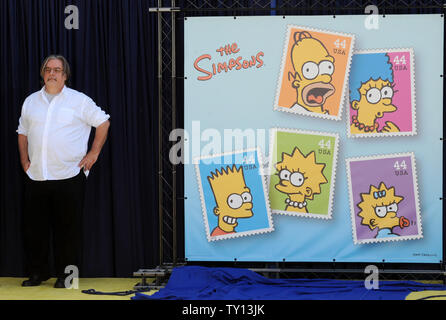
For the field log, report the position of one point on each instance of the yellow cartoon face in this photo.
(375, 100)
(313, 67)
(233, 198)
(300, 176)
(379, 208)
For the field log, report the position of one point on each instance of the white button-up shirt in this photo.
(58, 132)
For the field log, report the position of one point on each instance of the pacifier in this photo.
(404, 222)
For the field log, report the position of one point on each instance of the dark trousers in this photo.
(53, 206)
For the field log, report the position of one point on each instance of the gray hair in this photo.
(65, 65)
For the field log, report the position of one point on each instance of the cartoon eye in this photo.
(373, 95)
(326, 67)
(247, 197)
(386, 92)
(310, 70)
(284, 174)
(235, 201)
(381, 211)
(392, 208)
(297, 179)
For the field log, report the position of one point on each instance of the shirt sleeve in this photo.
(92, 114)
(23, 122)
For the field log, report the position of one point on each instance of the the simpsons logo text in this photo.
(237, 63)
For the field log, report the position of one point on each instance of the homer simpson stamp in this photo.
(314, 71)
(233, 194)
(302, 168)
(382, 93)
(384, 198)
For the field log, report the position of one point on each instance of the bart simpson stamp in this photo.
(314, 72)
(382, 93)
(302, 167)
(233, 195)
(384, 198)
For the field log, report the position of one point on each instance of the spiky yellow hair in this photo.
(307, 165)
(225, 181)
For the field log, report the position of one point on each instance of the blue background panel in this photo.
(244, 100)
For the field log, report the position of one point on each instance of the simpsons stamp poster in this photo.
(314, 72)
(382, 93)
(384, 198)
(302, 172)
(233, 195)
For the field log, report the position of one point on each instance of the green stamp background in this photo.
(286, 142)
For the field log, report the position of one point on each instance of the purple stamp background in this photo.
(374, 171)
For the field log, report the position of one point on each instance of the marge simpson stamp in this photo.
(382, 93)
(233, 195)
(384, 198)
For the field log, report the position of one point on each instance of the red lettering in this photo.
(234, 48)
(228, 49)
(208, 74)
(252, 62)
(221, 50)
(232, 64)
(239, 65)
(259, 60)
(222, 66)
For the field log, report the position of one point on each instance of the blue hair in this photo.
(366, 66)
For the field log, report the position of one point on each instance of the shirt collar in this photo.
(42, 92)
(61, 92)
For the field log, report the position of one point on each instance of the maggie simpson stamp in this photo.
(384, 198)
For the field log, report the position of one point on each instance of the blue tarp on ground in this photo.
(202, 283)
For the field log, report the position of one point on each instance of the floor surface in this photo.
(11, 289)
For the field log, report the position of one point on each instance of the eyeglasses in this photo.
(56, 70)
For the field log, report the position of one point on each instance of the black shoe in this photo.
(60, 283)
(34, 281)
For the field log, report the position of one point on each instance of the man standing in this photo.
(53, 134)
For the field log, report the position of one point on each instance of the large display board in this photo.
(313, 138)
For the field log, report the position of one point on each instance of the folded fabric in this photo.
(202, 283)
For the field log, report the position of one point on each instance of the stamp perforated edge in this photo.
(273, 132)
(415, 186)
(265, 194)
(413, 98)
(346, 76)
